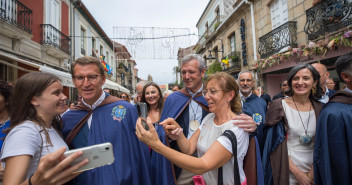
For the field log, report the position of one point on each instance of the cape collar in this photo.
(185, 92)
(342, 97)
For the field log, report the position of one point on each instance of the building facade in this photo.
(34, 36)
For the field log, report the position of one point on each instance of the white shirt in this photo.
(348, 90)
(209, 134)
(95, 104)
(25, 139)
(243, 98)
(194, 110)
(325, 97)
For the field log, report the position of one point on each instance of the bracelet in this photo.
(307, 175)
(29, 180)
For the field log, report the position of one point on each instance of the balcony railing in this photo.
(14, 12)
(215, 24)
(52, 36)
(327, 16)
(279, 38)
(123, 67)
(234, 61)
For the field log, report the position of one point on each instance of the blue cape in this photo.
(255, 107)
(175, 106)
(333, 145)
(114, 123)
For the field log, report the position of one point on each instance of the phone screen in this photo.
(143, 113)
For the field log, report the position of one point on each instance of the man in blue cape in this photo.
(188, 107)
(333, 145)
(101, 118)
(252, 105)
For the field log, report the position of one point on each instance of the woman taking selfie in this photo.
(291, 132)
(214, 150)
(154, 99)
(36, 102)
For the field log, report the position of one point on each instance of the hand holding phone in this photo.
(98, 155)
(143, 113)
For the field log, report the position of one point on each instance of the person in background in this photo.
(290, 131)
(213, 149)
(284, 89)
(330, 84)
(152, 96)
(101, 118)
(125, 96)
(252, 105)
(5, 92)
(262, 94)
(33, 149)
(324, 75)
(167, 93)
(107, 90)
(333, 149)
(139, 90)
(175, 88)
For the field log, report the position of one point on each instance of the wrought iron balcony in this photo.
(279, 38)
(52, 36)
(215, 24)
(327, 16)
(234, 61)
(122, 68)
(14, 12)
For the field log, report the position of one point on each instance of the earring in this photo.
(314, 90)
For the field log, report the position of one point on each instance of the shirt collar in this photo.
(326, 91)
(347, 90)
(243, 97)
(193, 94)
(96, 103)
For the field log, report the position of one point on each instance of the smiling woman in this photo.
(294, 118)
(153, 97)
(34, 129)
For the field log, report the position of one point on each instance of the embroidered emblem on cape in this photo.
(118, 113)
(257, 118)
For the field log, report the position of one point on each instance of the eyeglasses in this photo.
(284, 85)
(211, 92)
(90, 78)
(123, 97)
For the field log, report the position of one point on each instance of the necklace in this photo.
(3, 123)
(304, 139)
(194, 124)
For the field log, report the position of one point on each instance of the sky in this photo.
(148, 13)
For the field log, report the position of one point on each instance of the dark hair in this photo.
(344, 64)
(228, 83)
(282, 83)
(5, 91)
(316, 78)
(161, 99)
(21, 108)
(85, 61)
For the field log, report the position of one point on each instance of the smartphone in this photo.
(143, 113)
(98, 155)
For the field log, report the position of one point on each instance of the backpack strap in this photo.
(232, 137)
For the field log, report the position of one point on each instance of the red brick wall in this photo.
(37, 7)
(64, 18)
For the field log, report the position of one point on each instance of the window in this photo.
(107, 57)
(93, 46)
(233, 42)
(279, 13)
(101, 50)
(52, 13)
(83, 41)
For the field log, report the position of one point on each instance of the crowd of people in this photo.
(214, 130)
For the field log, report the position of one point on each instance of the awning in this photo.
(65, 78)
(113, 85)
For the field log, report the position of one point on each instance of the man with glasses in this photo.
(252, 105)
(139, 90)
(333, 149)
(101, 118)
(188, 107)
(284, 89)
